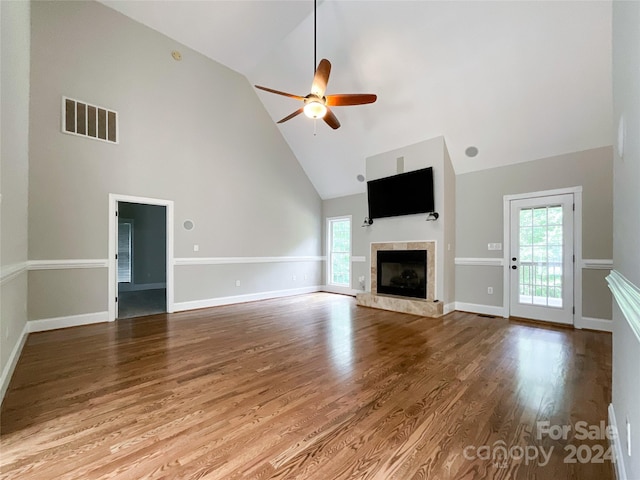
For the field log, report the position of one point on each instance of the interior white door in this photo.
(541, 258)
(117, 234)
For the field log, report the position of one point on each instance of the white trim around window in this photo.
(331, 221)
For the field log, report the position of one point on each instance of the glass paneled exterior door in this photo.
(541, 258)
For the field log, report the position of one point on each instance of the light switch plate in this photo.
(494, 246)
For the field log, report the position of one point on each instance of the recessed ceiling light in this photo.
(360, 178)
(471, 151)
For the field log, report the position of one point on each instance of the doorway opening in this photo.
(142, 250)
(141, 260)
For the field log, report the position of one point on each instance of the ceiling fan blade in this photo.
(321, 78)
(285, 94)
(294, 114)
(331, 120)
(344, 99)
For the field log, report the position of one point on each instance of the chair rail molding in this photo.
(597, 263)
(67, 264)
(487, 261)
(627, 295)
(9, 272)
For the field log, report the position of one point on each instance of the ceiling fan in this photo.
(316, 104)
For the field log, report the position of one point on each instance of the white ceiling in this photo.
(520, 80)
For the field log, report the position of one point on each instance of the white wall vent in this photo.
(86, 120)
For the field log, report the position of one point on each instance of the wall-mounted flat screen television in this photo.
(403, 194)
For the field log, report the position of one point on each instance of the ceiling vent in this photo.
(92, 121)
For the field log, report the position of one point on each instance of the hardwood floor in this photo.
(140, 303)
(309, 387)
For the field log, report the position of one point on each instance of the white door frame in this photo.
(114, 198)
(577, 246)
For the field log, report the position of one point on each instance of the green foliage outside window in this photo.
(340, 255)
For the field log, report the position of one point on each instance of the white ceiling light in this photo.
(315, 109)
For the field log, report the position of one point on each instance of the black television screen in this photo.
(402, 194)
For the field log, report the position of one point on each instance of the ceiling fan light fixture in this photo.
(316, 104)
(315, 109)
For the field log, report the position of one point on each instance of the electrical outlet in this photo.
(490, 290)
(237, 283)
(494, 246)
(293, 277)
(305, 276)
(196, 248)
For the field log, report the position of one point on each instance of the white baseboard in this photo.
(249, 297)
(64, 322)
(448, 308)
(482, 309)
(136, 287)
(7, 372)
(341, 290)
(600, 324)
(621, 474)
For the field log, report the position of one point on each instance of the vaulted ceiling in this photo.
(519, 80)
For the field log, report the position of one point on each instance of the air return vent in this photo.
(86, 120)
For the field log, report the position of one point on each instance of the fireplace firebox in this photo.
(402, 272)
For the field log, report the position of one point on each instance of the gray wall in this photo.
(626, 223)
(14, 167)
(479, 220)
(448, 212)
(193, 132)
(251, 277)
(149, 241)
(429, 153)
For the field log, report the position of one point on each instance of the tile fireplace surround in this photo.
(416, 306)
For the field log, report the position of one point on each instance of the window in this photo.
(541, 256)
(125, 244)
(339, 251)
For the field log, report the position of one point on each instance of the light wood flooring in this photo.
(310, 387)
